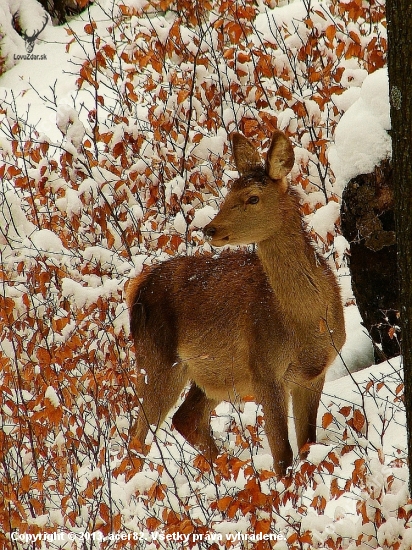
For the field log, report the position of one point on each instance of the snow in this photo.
(360, 141)
(83, 296)
(175, 187)
(208, 146)
(45, 240)
(52, 396)
(353, 76)
(70, 203)
(68, 123)
(203, 216)
(325, 218)
(347, 98)
(13, 217)
(268, 22)
(180, 223)
(357, 352)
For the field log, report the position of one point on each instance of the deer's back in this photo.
(199, 295)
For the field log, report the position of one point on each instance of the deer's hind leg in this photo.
(192, 421)
(158, 390)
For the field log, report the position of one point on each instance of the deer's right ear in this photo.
(245, 154)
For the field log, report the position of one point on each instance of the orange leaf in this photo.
(335, 490)
(104, 512)
(250, 126)
(330, 32)
(339, 51)
(13, 171)
(242, 57)
(359, 470)
(332, 456)
(345, 411)
(118, 149)
(6, 306)
(307, 536)
(237, 465)
(157, 491)
(355, 37)
(361, 509)
(229, 53)
(234, 31)
(320, 14)
(186, 527)
(182, 95)
(43, 355)
(266, 474)
(358, 420)
(55, 415)
(223, 503)
(201, 463)
(90, 27)
(293, 538)
(233, 508)
(162, 241)
(25, 483)
(315, 76)
(399, 388)
(284, 92)
(329, 467)
(110, 240)
(152, 523)
(59, 324)
(109, 51)
(262, 526)
(327, 420)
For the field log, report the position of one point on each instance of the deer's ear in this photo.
(280, 156)
(245, 154)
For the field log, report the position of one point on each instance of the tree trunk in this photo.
(368, 224)
(399, 15)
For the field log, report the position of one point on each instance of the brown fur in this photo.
(245, 323)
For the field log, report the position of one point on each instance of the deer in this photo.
(266, 321)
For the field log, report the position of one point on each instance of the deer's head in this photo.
(250, 212)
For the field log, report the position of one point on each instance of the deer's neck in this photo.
(297, 275)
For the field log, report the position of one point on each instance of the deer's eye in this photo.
(253, 199)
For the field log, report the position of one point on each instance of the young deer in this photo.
(265, 323)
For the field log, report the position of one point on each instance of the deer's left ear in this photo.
(280, 156)
(246, 156)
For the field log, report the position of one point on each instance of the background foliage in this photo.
(141, 165)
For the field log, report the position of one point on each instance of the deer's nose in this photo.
(209, 231)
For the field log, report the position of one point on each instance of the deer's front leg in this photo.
(273, 395)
